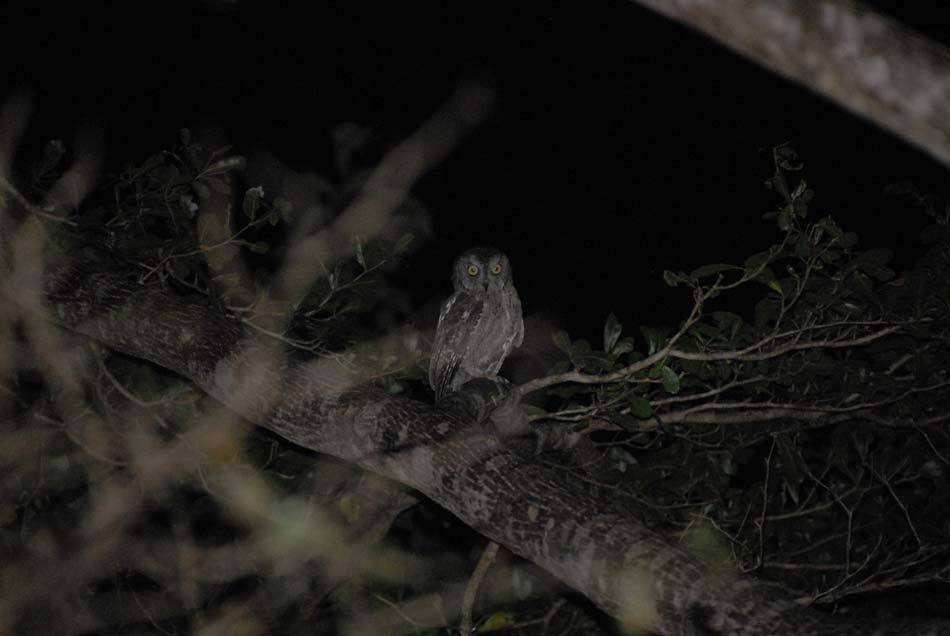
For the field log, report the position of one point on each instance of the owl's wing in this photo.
(519, 321)
(453, 337)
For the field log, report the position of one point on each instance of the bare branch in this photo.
(865, 62)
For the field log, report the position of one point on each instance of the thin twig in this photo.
(35, 209)
(624, 373)
(468, 600)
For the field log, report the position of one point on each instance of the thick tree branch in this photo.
(630, 571)
(869, 64)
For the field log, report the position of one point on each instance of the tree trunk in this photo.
(869, 64)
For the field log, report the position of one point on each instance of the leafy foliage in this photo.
(806, 429)
(149, 215)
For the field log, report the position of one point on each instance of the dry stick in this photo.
(758, 411)
(626, 372)
(883, 586)
(668, 350)
(890, 489)
(38, 211)
(765, 502)
(394, 607)
(468, 601)
(707, 394)
(745, 354)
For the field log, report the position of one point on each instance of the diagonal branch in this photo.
(865, 62)
(627, 569)
(630, 571)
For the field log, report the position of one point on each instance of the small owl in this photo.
(479, 324)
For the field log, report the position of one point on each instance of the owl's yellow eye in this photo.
(496, 268)
(472, 270)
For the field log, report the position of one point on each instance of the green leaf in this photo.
(597, 362)
(612, 331)
(803, 246)
(260, 247)
(626, 345)
(351, 507)
(579, 349)
(765, 275)
(787, 158)
(849, 239)
(774, 284)
(725, 319)
(754, 262)
(704, 541)
(800, 189)
(496, 622)
(562, 341)
(777, 183)
(714, 268)
(640, 407)
(236, 162)
(654, 337)
(673, 279)
(728, 323)
(559, 367)
(728, 464)
(671, 381)
(830, 256)
(252, 202)
(873, 263)
(626, 422)
(785, 218)
(802, 200)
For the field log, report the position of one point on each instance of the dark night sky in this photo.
(622, 144)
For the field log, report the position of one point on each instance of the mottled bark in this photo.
(869, 64)
(628, 570)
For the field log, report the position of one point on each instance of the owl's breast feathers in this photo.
(476, 332)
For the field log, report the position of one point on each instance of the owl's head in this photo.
(481, 269)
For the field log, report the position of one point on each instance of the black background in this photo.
(621, 144)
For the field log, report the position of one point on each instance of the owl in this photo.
(479, 324)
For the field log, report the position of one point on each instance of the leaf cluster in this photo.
(799, 413)
(154, 214)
